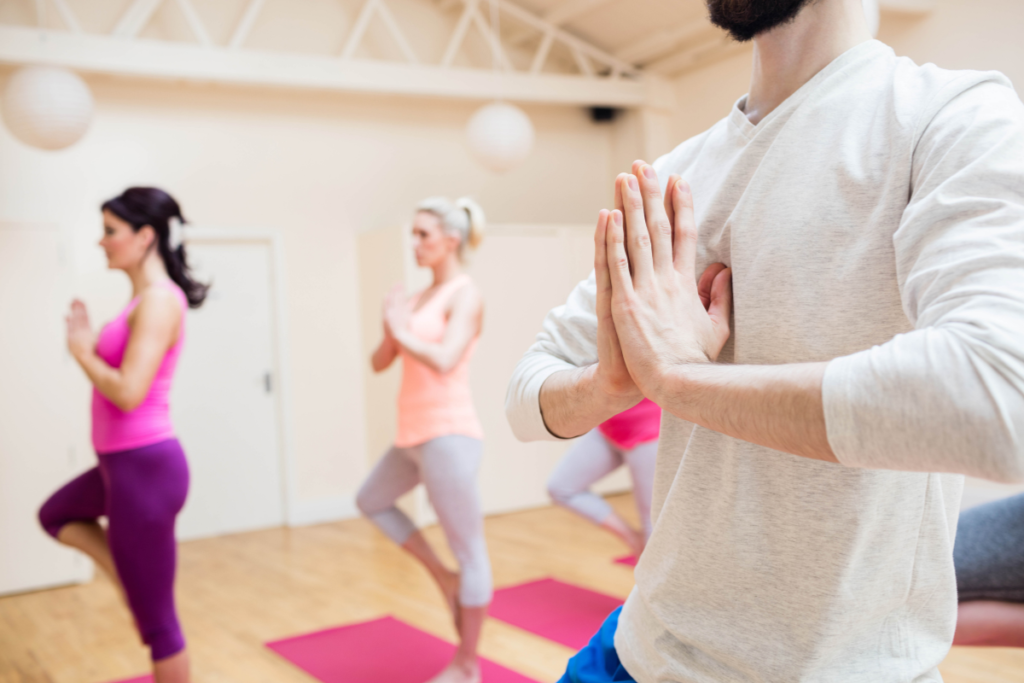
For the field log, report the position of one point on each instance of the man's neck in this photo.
(790, 55)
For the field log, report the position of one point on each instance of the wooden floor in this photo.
(238, 592)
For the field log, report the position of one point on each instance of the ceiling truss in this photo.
(600, 78)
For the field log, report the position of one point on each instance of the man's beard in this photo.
(744, 19)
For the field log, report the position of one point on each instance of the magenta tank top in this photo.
(113, 429)
(635, 426)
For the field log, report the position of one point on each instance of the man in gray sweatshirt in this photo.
(871, 215)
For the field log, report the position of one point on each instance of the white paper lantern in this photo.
(500, 136)
(47, 107)
(872, 14)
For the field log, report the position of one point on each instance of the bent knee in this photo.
(367, 504)
(560, 493)
(51, 520)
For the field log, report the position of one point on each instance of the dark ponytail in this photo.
(142, 206)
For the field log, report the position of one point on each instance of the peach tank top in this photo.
(430, 404)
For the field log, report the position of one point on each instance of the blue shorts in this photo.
(598, 662)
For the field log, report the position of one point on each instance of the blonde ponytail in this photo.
(464, 217)
(477, 221)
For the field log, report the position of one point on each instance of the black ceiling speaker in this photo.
(603, 114)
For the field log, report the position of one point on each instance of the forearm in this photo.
(779, 407)
(108, 381)
(434, 356)
(572, 402)
(384, 356)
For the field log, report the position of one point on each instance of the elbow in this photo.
(442, 364)
(443, 368)
(510, 412)
(521, 437)
(129, 395)
(513, 414)
(1002, 450)
(128, 401)
(1011, 473)
(1009, 467)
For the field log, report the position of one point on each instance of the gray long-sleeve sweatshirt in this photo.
(874, 220)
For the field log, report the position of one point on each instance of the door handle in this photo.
(268, 382)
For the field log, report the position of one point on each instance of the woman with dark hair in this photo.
(141, 480)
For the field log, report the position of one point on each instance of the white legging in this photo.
(447, 466)
(592, 457)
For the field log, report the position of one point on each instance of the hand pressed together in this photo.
(653, 314)
(396, 312)
(81, 340)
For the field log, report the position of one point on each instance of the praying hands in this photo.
(653, 314)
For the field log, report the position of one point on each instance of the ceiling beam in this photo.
(541, 55)
(396, 32)
(358, 29)
(601, 57)
(493, 40)
(557, 16)
(245, 24)
(190, 62)
(195, 24)
(657, 44)
(698, 56)
(67, 16)
(567, 10)
(135, 17)
(459, 34)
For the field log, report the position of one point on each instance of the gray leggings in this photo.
(989, 552)
(592, 457)
(447, 466)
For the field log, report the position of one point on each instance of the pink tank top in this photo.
(431, 404)
(635, 426)
(113, 429)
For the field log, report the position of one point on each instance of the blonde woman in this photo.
(439, 436)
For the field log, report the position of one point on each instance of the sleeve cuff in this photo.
(840, 421)
(522, 403)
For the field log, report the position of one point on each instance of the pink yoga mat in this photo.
(629, 560)
(380, 651)
(558, 611)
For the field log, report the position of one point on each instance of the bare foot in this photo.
(633, 539)
(458, 673)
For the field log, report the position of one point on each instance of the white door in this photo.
(37, 428)
(224, 402)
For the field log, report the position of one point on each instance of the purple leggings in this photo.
(140, 492)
